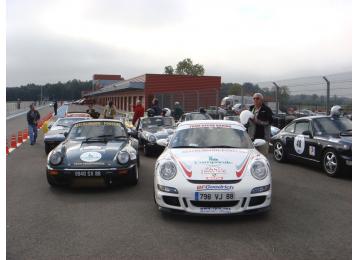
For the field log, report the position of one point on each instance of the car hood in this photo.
(80, 154)
(213, 163)
(56, 134)
(339, 139)
(160, 132)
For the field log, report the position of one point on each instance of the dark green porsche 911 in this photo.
(98, 148)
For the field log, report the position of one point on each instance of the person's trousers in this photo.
(32, 133)
(55, 111)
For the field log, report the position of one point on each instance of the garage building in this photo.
(191, 91)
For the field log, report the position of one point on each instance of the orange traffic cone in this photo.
(25, 134)
(13, 142)
(20, 137)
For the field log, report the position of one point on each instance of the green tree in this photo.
(235, 89)
(186, 67)
(169, 70)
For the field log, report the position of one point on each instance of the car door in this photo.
(288, 136)
(303, 144)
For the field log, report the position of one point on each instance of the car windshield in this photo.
(198, 116)
(208, 137)
(67, 122)
(332, 125)
(152, 122)
(97, 129)
(233, 118)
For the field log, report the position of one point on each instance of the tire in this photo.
(47, 148)
(52, 182)
(147, 150)
(133, 178)
(279, 152)
(138, 160)
(331, 163)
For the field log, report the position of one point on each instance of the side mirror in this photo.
(66, 134)
(259, 142)
(308, 133)
(162, 142)
(49, 126)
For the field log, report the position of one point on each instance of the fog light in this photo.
(167, 189)
(260, 189)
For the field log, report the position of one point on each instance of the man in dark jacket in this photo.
(33, 116)
(178, 112)
(55, 107)
(260, 125)
(155, 106)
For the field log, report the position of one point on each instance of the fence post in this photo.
(327, 95)
(276, 97)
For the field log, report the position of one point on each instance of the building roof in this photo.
(107, 77)
(133, 83)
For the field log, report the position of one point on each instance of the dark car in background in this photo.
(323, 139)
(150, 129)
(95, 149)
(55, 135)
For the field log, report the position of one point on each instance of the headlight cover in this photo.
(259, 170)
(55, 158)
(167, 170)
(123, 157)
(152, 138)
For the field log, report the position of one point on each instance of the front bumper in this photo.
(185, 200)
(109, 175)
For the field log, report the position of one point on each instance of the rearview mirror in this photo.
(66, 134)
(261, 146)
(162, 142)
(49, 126)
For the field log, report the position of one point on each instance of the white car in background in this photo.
(212, 167)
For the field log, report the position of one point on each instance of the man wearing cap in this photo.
(260, 125)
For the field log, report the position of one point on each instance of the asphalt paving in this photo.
(310, 218)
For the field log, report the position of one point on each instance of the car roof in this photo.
(310, 117)
(211, 122)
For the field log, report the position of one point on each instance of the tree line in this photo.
(70, 90)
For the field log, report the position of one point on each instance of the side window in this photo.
(290, 128)
(301, 127)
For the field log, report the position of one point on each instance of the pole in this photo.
(327, 95)
(41, 94)
(242, 96)
(276, 97)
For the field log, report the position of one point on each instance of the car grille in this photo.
(254, 201)
(170, 200)
(214, 204)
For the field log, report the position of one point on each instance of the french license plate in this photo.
(87, 173)
(214, 196)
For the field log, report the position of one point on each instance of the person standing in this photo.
(155, 106)
(178, 112)
(110, 111)
(138, 111)
(55, 107)
(33, 116)
(260, 125)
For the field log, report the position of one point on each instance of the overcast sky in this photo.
(60, 40)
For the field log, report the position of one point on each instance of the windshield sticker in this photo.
(97, 123)
(92, 147)
(206, 150)
(299, 144)
(210, 126)
(90, 156)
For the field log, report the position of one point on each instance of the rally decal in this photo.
(242, 168)
(299, 144)
(187, 172)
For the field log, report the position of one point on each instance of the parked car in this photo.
(150, 129)
(98, 148)
(212, 167)
(55, 135)
(194, 116)
(323, 139)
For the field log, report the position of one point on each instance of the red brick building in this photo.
(191, 91)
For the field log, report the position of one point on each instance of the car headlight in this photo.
(152, 138)
(123, 157)
(55, 158)
(259, 170)
(167, 170)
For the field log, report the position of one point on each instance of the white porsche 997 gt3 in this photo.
(212, 167)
